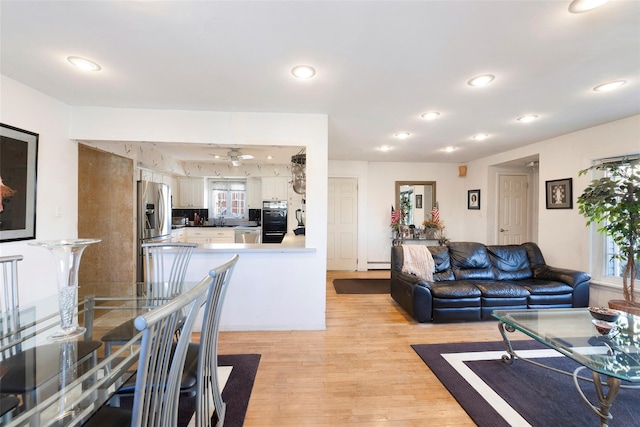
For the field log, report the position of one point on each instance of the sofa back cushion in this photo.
(442, 263)
(535, 255)
(470, 260)
(510, 262)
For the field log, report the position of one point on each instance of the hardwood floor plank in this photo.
(361, 371)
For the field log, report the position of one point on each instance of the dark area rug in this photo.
(236, 392)
(540, 396)
(362, 286)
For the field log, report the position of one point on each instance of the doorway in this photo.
(513, 209)
(342, 224)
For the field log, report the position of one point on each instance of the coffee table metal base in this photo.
(605, 399)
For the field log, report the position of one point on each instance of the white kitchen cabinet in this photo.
(275, 188)
(191, 193)
(254, 193)
(178, 235)
(146, 175)
(202, 235)
(151, 176)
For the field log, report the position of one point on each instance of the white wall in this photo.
(563, 235)
(273, 290)
(554, 230)
(376, 195)
(57, 182)
(561, 157)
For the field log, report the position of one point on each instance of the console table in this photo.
(397, 241)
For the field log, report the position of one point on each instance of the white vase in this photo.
(67, 254)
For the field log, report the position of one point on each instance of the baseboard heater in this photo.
(379, 265)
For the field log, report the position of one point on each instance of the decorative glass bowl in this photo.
(603, 313)
(603, 327)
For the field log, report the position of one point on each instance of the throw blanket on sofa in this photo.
(418, 260)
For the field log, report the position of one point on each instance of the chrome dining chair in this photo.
(9, 267)
(160, 363)
(9, 297)
(165, 266)
(19, 375)
(206, 373)
(10, 302)
(200, 376)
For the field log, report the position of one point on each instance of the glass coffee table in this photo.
(571, 332)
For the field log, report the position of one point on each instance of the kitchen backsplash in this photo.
(189, 213)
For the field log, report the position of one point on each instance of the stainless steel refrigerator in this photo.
(154, 217)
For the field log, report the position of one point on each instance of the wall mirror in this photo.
(418, 197)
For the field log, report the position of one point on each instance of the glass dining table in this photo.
(63, 383)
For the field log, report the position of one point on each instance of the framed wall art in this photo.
(559, 194)
(18, 166)
(473, 199)
(418, 201)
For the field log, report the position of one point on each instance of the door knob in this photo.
(502, 230)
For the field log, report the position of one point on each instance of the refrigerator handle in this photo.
(161, 212)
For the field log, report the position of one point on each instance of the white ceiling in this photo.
(379, 65)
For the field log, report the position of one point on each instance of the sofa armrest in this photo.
(572, 278)
(413, 294)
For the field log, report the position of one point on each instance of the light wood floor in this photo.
(360, 371)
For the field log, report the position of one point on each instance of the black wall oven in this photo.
(274, 221)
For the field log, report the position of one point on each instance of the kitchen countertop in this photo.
(291, 243)
(175, 227)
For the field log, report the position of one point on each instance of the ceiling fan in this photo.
(236, 156)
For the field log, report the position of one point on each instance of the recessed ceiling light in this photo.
(527, 118)
(84, 64)
(216, 156)
(579, 6)
(449, 149)
(402, 135)
(480, 136)
(385, 148)
(605, 87)
(430, 115)
(269, 157)
(482, 80)
(303, 71)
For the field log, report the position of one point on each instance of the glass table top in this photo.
(571, 332)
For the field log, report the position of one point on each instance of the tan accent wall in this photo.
(106, 210)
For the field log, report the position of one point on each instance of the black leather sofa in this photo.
(471, 280)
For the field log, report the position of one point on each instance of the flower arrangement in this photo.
(438, 225)
(396, 218)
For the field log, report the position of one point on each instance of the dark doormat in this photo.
(361, 286)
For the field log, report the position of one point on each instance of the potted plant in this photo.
(613, 202)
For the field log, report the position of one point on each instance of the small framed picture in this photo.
(473, 199)
(559, 194)
(418, 201)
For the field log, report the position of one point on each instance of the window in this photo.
(228, 199)
(612, 267)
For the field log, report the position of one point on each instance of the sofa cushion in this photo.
(442, 263)
(455, 290)
(546, 287)
(501, 290)
(470, 260)
(510, 262)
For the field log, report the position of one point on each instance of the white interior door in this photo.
(513, 210)
(342, 227)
